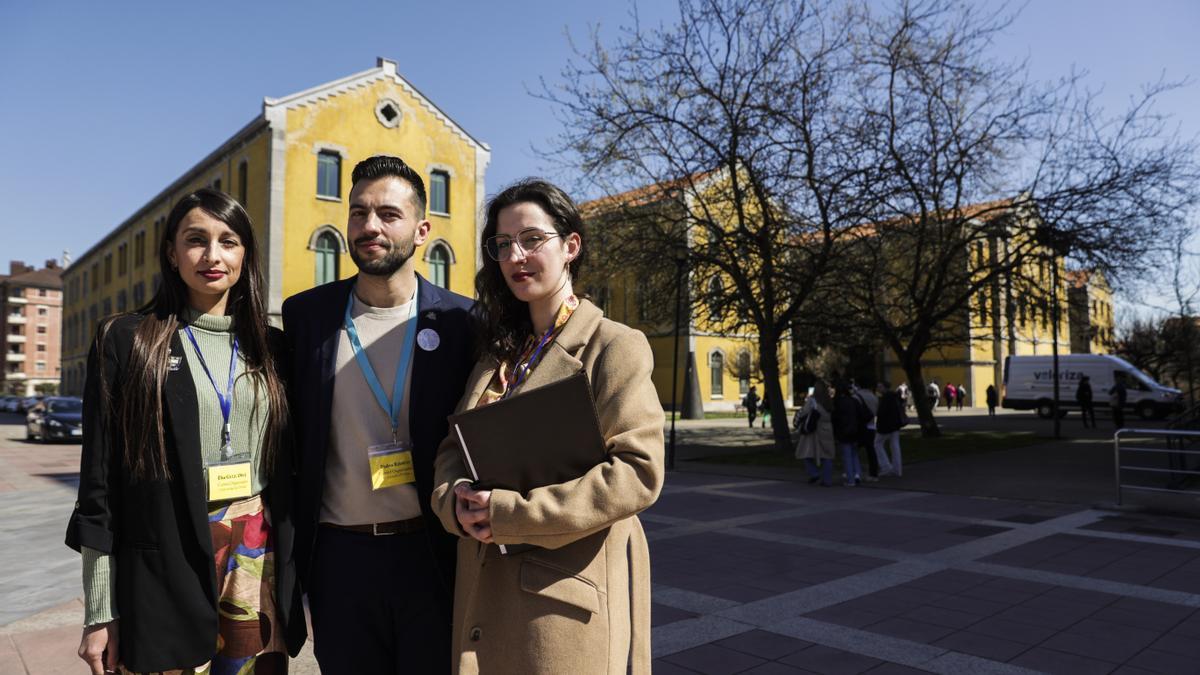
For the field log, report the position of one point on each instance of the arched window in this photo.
(440, 258)
(716, 364)
(743, 371)
(327, 250)
(439, 266)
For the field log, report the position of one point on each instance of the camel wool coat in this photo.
(580, 603)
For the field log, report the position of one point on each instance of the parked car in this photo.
(55, 418)
(1029, 385)
(28, 402)
(5, 402)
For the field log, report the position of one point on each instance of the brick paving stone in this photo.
(1111, 648)
(986, 646)
(909, 629)
(894, 669)
(688, 504)
(1051, 661)
(764, 644)
(664, 667)
(1013, 631)
(662, 614)
(940, 616)
(970, 605)
(830, 661)
(1162, 662)
(713, 660)
(844, 615)
(950, 581)
(1178, 644)
(1044, 617)
(775, 668)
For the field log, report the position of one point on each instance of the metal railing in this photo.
(1178, 469)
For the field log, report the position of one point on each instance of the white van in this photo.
(1029, 384)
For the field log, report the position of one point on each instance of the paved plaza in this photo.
(758, 575)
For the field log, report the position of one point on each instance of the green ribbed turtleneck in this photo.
(214, 335)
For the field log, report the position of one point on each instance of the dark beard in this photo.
(396, 256)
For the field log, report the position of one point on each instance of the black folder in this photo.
(539, 437)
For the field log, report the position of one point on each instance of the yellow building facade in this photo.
(1014, 316)
(724, 360)
(290, 167)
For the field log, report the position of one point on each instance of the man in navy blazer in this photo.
(378, 362)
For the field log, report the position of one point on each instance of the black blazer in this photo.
(311, 323)
(158, 529)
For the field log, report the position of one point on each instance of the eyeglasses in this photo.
(500, 247)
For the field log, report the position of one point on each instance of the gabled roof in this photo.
(384, 69)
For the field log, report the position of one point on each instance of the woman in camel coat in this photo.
(580, 602)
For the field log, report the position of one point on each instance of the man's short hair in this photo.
(384, 166)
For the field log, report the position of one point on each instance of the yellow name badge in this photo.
(391, 465)
(229, 481)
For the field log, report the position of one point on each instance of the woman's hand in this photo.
(472, 507)
(99, 647)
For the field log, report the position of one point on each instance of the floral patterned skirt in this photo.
(249, 637)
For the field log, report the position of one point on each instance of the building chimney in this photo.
(16, 267)
(51, 264)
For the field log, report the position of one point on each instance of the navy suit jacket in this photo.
(311, 322)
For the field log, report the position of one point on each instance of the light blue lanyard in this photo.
(390, 407)
(226, 399)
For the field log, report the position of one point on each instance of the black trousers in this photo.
(378, 605)
(1088, 412)
(867, 443)
(1118, 414)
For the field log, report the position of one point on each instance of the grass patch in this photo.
(914, 448)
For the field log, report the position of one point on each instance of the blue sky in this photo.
(104, 104)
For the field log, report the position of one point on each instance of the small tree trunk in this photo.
(916, 387)
(772, 392)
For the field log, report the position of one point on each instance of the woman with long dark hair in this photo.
(580, 601)
(182, 518)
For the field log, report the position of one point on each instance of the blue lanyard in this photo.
(392, 406)
(226, 399)
(522, 373)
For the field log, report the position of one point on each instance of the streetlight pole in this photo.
(680, 261)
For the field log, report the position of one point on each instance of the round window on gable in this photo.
(388, 113)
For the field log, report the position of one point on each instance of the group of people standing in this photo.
(846, 419)
(228, 467)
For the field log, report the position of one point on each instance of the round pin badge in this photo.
(429, 339)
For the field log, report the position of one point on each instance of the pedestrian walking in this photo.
(1083, 396)
(992, 397)
(848, 422)
(960, 396)
(750, 401)
(1117, 396)
(934, 393)
(765, 409)
(888, 422)
(814, 425)
(905, 395)
(951, 394)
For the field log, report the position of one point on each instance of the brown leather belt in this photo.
(382, 529)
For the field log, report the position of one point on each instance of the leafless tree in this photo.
(988, 182)
(732, 119)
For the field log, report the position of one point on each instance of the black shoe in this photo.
(813, 479)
